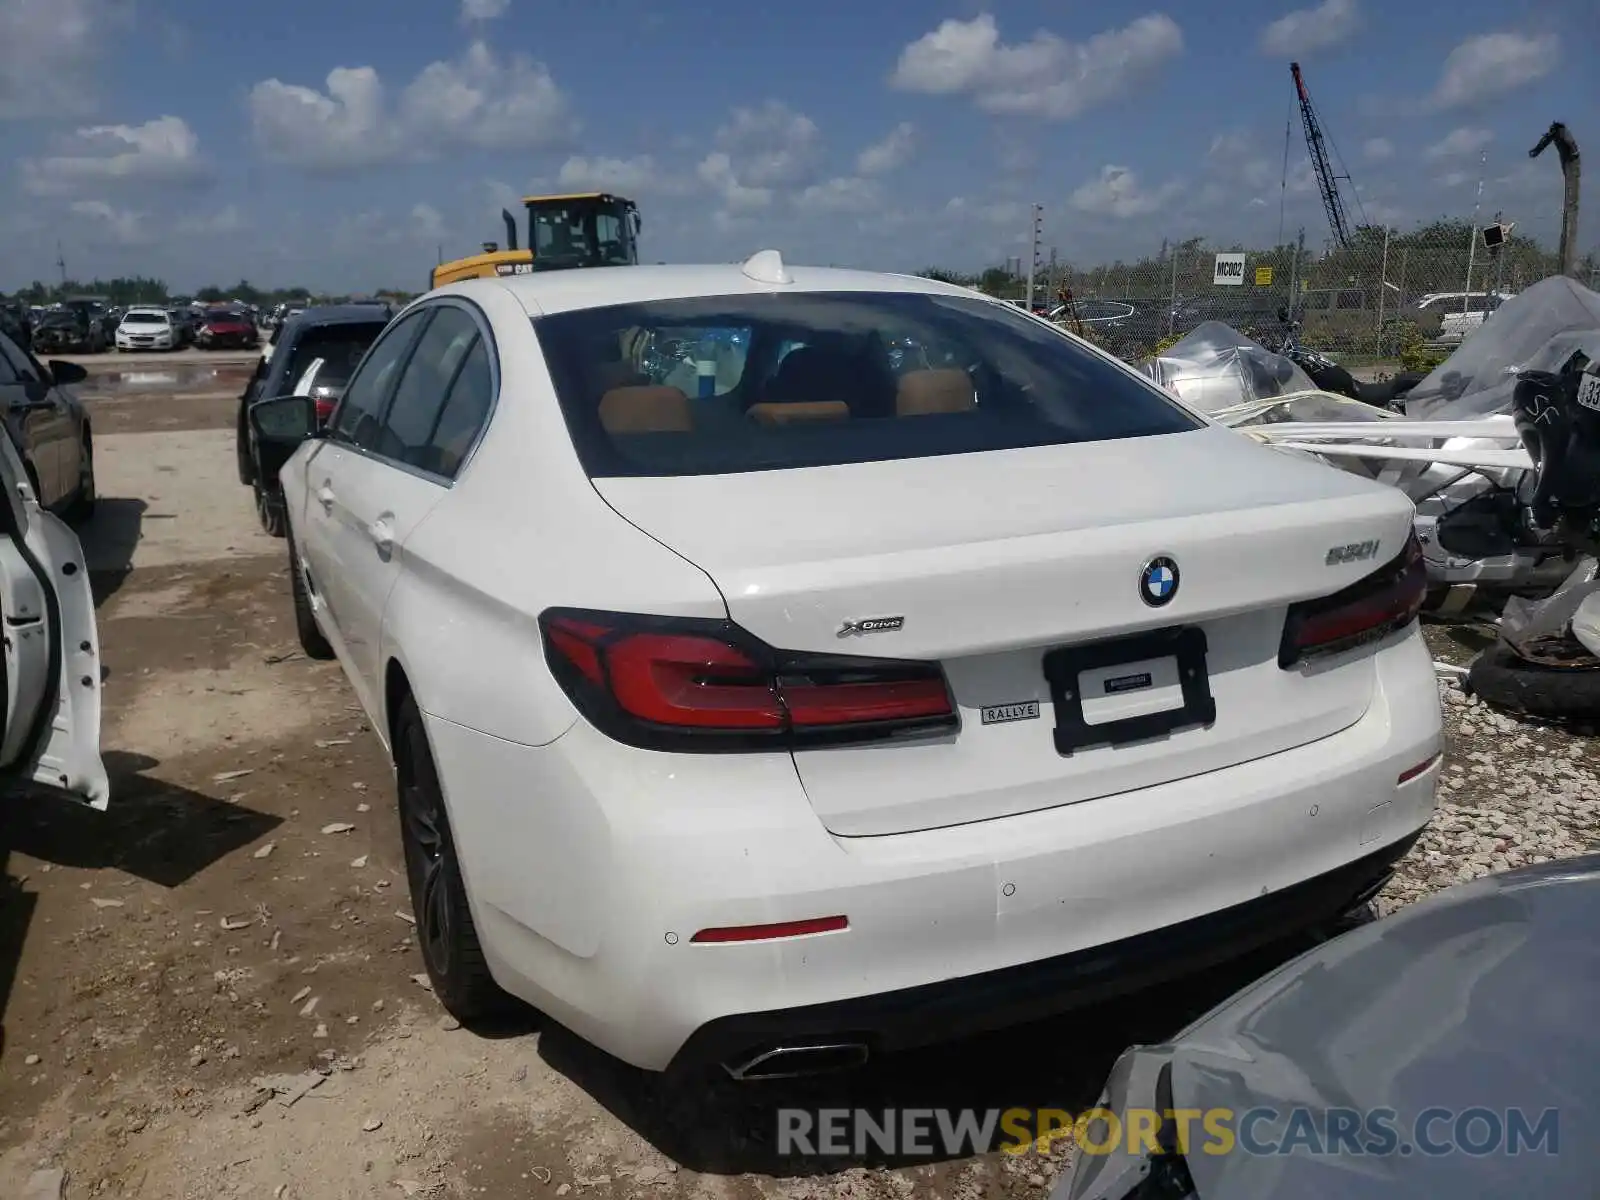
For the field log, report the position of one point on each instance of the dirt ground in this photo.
(175, 972)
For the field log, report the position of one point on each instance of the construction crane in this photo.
(1327, 181)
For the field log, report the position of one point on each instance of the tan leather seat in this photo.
(649, 409)
(936, 390)
(614, 375)
(791, 412)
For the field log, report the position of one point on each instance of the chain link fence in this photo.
(1389, 297)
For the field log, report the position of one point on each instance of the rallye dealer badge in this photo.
(998, 714)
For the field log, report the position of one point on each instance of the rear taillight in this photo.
(325, 406)
(699, 684)
(1366, 611)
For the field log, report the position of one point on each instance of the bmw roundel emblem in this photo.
(1158, 582)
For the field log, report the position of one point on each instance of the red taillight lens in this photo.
(708, 685)
(1387, 600)
(325, 407)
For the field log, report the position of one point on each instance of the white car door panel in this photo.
(330, 527)
(380, 499)
(51, 661)
(374, 505)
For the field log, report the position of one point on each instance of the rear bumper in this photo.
(936, 1012)
(592, 865)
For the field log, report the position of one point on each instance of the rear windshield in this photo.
(339, 346)
(727, 384)
(146, 319)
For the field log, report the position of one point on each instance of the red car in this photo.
(221, 329)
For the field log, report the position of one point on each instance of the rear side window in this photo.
(356, 420)
(463, 416)
(414, 412)
(726, 384)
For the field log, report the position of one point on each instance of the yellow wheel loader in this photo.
(584, 229)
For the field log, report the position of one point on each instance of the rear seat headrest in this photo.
(936, 390)
(789, 412)
(646, 409)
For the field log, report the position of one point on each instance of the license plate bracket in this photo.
(1063, 668)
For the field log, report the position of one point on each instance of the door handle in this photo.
(382, 534)
(325, 498)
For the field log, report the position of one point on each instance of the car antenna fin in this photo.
(766, 266)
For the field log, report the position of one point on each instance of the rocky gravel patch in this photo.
(1514, 791)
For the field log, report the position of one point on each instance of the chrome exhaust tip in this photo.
(794, 1062)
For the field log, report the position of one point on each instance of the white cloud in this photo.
(1459, 142)
(476, 100)
(771, 145)
(1310, 29)
(1492, 64)
(124, 227)
(225, 221)
(483, 10)
(1118, 193)
(48, 50)
(162, 151)
(625, 175)
(1045, 76)
(1237, 158)
(846, 193)
(761, 151)
(1377, 149)
(716, 172)
(890, 154)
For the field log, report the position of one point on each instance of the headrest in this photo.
(792, 411)
(938, 390)
(648, 409)
(813, 371)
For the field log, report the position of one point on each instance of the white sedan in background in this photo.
(146, 329)
(821, 707)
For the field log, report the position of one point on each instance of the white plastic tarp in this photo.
(1536, 330)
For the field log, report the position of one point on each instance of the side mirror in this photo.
(285, 420)
(65, 373)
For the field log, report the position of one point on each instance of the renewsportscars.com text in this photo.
(944, 1132)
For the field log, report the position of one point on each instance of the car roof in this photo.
(597, 287)
(339, 314)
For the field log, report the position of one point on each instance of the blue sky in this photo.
(339, 143)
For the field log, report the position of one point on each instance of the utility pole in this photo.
(1035, 232)
(61, 263)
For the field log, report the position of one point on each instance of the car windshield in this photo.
(728, 384)
(61, 318)
(145, 318)
(222, 314)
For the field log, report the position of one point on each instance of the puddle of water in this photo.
(199, 377)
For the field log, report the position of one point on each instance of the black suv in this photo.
(313, 354)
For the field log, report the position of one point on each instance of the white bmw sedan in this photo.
(782, 666)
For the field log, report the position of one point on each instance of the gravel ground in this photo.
(1514, 791)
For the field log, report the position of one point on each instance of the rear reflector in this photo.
(1422, 768)
(766, 933)
(1367, 611)
(698, 684)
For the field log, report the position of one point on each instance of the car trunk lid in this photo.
(1005, 566)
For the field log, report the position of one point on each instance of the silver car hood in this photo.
(1485, 995)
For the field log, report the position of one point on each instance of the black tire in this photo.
(305, 622)
(247, 469)
(1503, 679)
(445, 932)
(83, 502)
(269, 513)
